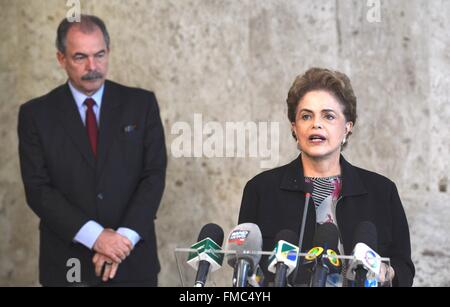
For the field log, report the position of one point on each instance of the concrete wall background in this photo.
(235, 61)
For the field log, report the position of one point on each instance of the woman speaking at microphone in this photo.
(322, 111)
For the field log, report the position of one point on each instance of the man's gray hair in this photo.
(87, 24)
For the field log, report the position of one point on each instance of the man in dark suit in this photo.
(93, 163)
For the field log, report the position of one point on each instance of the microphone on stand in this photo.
(206, 259)
(246, 240)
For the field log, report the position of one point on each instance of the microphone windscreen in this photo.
(288, 236)
(308, 187)
(366, 233)
(212, 231)
(327, 236)
(244, 237)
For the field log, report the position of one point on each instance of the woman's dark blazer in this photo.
(275, 199)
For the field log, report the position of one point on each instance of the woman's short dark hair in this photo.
(87, 24)
(333, 82)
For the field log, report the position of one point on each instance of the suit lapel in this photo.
(109, 124)
(72, 123)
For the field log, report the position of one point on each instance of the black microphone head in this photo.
(212, 231)
(327, 236)
(366, 233)
(308, 187)
(288, 236)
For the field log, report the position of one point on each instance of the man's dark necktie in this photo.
(91, 124)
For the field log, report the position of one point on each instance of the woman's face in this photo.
(320, 125)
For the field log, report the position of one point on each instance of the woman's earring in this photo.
(343, 141)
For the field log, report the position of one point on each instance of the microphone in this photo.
(308, 193)
(284, 257)
(242, 239)
(323, 254)
(366, 264)
(206, 259)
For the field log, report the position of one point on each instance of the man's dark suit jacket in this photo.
(66, 186)
(275, 200)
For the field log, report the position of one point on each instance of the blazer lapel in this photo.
(293, 178)
(352, 185)
(109, 124)
(72, 123)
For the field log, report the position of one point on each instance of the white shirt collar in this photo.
(80, 97)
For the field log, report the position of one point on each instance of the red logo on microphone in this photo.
(238, 236)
